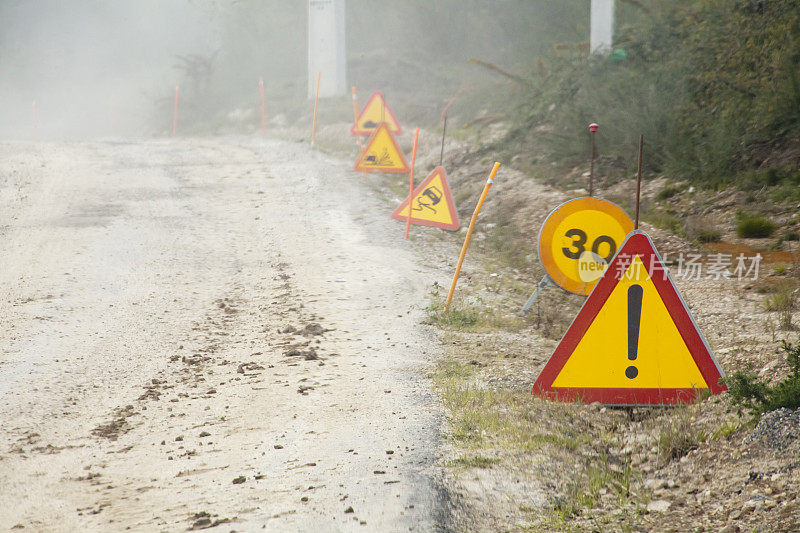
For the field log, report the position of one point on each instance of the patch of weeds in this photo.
(792, 236)
(553, 312)
(666, 221)
(469, 316)
(754, 227)
(458, 319)
(783, 301)
(475, 461)
(678, 437)
(584, 491)
(535, 441)
(709, 235)
(780, 269)
(481, 416)
(700, 230)
(750, 392)
(725, 430)
(464, 194)
(668, 192)
(452, 318)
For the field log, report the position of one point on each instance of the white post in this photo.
(326, 48)
(601, 34)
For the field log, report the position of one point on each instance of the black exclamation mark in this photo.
(634, 318)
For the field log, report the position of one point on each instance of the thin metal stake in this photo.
(444, 131)
(638, 182)
(546, 282)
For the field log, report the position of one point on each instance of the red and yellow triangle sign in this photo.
(382, 153)
(633, 341)
(431, 204)
(375, 112)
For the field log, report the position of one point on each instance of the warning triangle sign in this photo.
(375, 112)
(382, 153)
(432, 203)
(633, 341)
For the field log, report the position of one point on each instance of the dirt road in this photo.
(204, 333)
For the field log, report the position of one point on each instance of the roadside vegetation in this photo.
(714, 86)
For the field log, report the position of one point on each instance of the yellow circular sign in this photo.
(578, 240)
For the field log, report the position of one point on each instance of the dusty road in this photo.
(203, 333)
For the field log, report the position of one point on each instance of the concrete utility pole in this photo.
(601, 34)
(326, 48)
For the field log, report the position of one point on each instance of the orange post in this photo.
(175, 113)
(411, 180)
(469, 234)
(263, 106)
(355, 118)
(316, 100)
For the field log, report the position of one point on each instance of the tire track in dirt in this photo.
(220, 362)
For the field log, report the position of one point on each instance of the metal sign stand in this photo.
(546, 282)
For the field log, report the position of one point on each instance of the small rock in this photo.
(239, 480)
(349, 510)
(205, 434)
(658, 506)
(654, 484)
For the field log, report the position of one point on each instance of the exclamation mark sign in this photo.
(635, 293)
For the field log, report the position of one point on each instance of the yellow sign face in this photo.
(382, 153)
(603, 359)
(375, 112)
(432, 204)
(578, 240)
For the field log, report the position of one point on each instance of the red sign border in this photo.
(386, 111)
(636, 243)
(446, 192)
(383, 126)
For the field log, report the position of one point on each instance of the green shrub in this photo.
(792, 236)
(749, 391)
(667, 192)
(755, 227)
(678, 437)
(709, 235)
(707, 110)
(700, 230)
(783, 301)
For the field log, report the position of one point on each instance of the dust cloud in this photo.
(91, 68)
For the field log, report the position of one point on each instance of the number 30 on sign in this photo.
(578, 240)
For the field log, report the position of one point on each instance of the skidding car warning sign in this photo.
(432, 203)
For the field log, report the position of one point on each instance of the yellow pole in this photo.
(316, 99)
(469, 234)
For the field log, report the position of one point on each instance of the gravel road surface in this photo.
(209, 333)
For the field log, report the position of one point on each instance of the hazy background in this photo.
(93, 67)
(103, 68)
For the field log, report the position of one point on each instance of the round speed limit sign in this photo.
(578, 240)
